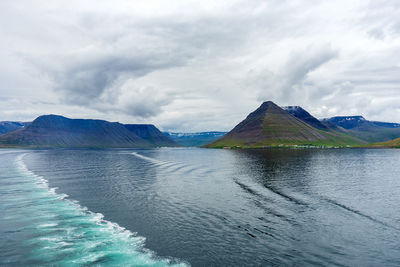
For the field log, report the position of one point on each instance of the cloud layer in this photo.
(198, 65)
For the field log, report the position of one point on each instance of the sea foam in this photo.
(67, 233)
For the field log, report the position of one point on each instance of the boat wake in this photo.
(64, 232)
(173, 167)
(359, 213)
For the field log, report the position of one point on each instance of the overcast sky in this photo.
(198, 65)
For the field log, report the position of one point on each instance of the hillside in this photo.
(195, 139)
(306, 117)
(58, 131)
(395, 143)
(10, 126)
(151, 134)
(271, 125)
(369, 131)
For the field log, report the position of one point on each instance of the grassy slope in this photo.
(395, 143)
(333, 140)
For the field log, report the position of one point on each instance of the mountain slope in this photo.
(195, 139)
(271, 125)
(58, 131)
(306, 117)
(395, 143)
(151, 134)
(10, 126)
(369, 131)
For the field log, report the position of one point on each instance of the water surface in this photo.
(201, 206)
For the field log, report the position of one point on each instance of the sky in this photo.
(198, 65)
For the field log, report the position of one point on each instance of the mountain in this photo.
(10, 126)
(59, 131)
(195, 139)
(347, 122)
(306, 117)
(151, 134)
(369, 131)
(271, 125)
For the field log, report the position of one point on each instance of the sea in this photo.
(200, 207)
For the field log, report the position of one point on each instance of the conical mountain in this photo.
(270, 125)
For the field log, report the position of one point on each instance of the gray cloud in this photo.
(85, 83)
(93, 76)
(289, 82)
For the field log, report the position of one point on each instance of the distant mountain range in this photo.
(369, 131)
(356, 126)
(268, 126)
(59, 131)
(195, 139)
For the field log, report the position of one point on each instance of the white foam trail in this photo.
(45, 225)
(149, 159)
(160, 163)
(173, 166)
(98, 218)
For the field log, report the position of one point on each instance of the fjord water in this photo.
(202, 207)
(41, 227)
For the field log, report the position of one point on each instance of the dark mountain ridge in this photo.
(59, 131)
(303, 115)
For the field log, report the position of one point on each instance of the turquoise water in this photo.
(40, 226)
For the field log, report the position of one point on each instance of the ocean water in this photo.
(200, 207)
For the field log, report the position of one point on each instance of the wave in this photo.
(158, 162)
(309, 203)
(359, 213)
(174, 167)
(68, 233)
